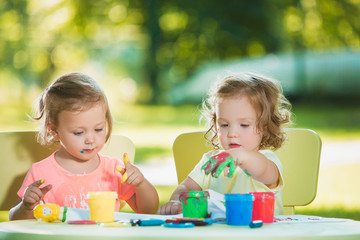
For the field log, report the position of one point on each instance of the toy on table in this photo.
(179, 225)
(256, 224)
(195, 221)
(50, 212)
(217, 163)
(119, 168)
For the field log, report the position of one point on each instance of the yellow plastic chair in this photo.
(300, 157)
(20, 149)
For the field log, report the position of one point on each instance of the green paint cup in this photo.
(195, 204)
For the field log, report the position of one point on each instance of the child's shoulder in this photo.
(45, 161)
(267, 151)
(269, 154)
(44, 164)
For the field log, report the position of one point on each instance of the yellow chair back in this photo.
(20, 149)
(300, 157)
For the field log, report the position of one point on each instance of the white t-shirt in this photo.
(240, 182)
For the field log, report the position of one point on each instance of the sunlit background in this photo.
(155, 60)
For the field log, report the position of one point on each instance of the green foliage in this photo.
(156, 43)
(160, 115)
(145, 153)
(336, 211)
(332, 120)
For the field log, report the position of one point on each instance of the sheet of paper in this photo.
(128, 216)
(216, 206)
(305, 219)
(83, 214)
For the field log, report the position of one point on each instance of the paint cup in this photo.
(102, 206)
(263, 206)
(238, 208)
(194, 203)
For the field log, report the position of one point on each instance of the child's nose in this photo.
(90, 139)
(233, 132)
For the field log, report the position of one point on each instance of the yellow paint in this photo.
(124, 177)
(126, 158)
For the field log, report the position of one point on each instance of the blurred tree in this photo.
(159, 43)
(194, 32)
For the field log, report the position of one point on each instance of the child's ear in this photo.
(53, 131)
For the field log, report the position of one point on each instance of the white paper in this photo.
(84, 214)
(216, 206)
(305, 219)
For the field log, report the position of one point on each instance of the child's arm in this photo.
(145, 199)
(256, 165)
(174, 206)
(253, 163)
(32, 197)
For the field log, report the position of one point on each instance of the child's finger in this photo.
(120, 169)
(123, 172)
(124, 177)
(37, 183)
(46, 189)
(134, 176)
(126, 158)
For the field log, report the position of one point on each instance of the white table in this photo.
(32, 229)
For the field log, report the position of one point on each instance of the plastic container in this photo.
(238, 208)
(195, 204)
(102, 206)
(263, 207)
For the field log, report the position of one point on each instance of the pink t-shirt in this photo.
(69, 189)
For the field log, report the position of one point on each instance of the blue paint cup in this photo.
(238, 208)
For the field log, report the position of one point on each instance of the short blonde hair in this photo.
(69, 92)
(265, 95)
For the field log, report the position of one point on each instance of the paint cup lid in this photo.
(239, 197)
(102, 195)
(196, 194)
(263, 195)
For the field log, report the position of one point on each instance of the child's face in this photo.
(236, 124)
(82, 134)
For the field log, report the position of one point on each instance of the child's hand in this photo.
(217, 163)
(170, 208)
(34, 194)
(131, 175)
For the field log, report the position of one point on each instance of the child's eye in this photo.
(77, 133)
(99, 129)
(244, 125)
(224, 125)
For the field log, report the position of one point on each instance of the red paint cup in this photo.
(263, 206)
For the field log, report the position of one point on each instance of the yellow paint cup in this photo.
(102, 206)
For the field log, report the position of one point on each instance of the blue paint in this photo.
(238, 208)
(82, 151)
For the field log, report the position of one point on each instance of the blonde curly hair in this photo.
(265, 95)
(69, 92)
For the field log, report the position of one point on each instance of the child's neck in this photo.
(75, 165)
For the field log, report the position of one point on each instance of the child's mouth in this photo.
(88, 150)
(234, 145)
